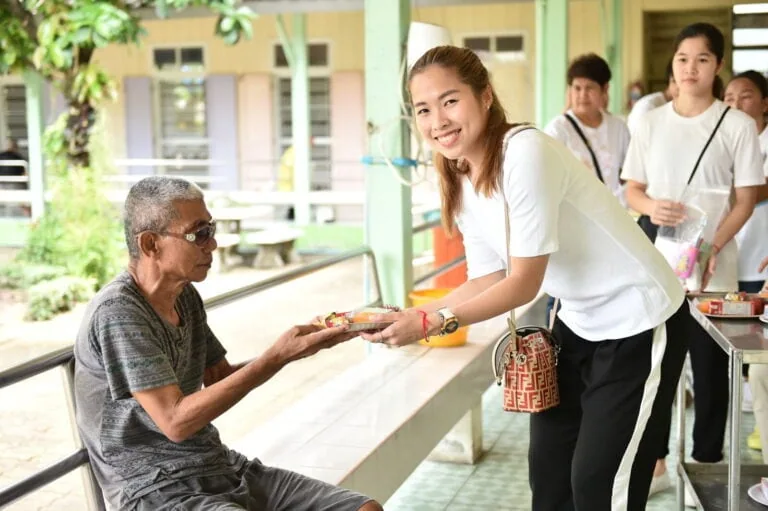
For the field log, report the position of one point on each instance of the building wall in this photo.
(251, 62)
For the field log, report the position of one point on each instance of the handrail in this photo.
(426, 225)
(235, 294)
(43, 477)
(440, 270)
(35, 366)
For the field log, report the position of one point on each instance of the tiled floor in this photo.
(500, 480)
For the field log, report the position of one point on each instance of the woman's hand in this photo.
(668, 213)
(408, 327)
(709, 270)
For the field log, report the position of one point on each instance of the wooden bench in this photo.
(371, 426)
(274, 246)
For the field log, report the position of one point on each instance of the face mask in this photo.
(634, 95)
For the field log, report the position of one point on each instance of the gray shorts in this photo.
(255, 487)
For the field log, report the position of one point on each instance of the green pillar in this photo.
(35, 128)
(295, 48)
(613, 53)
(551, 58)
(388, 224)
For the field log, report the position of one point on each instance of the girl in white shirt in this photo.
(748, 92)
(607, 137)
(661, 158)
(621, 303)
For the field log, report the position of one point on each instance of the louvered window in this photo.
(13, 115)
(320, 126)
(750, 38)
(180, 104)
(183, 128)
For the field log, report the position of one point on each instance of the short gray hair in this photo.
(150, 206)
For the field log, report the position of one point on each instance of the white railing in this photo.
(12, 197)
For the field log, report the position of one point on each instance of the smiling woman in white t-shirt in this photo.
(621, 303)
(662, 155)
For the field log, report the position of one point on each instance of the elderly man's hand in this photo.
(303, 341)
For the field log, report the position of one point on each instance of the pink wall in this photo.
(258, 162)
(348, 137)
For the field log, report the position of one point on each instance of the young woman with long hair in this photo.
(623, 309)
(662, 155)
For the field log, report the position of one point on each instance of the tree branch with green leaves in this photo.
(58, 39)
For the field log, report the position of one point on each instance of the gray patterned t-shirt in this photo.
(124, 346)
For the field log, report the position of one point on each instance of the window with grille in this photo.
(504, 47)
(320, 126)
(180, 102)
(750, 38)
(13, 115)
(317, 55)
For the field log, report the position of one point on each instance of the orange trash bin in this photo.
(446, 249)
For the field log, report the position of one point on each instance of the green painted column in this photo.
(295, 48)
(388, 224)
(614, 53)
(551, 58)
(35, 128)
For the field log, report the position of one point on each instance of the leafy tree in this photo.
(57, 39)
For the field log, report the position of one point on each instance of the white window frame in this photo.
(285, 72)
(174, 75)
(744, 10)
(506, 57)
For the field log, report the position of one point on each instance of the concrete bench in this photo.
(226, 246)
(371, 426)
(274, 247)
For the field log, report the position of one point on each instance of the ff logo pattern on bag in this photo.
(528, 368)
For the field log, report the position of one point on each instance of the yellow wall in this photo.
(344, 33)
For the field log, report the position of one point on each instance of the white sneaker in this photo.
(660, 483)
(746, 402)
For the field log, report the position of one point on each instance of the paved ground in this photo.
(34, 424)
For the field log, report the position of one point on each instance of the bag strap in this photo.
(701, 155)
(589, 147)
(511, 319)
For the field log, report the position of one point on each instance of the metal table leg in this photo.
(734, 458)
(681, 442)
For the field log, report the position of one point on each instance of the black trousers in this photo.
(597, 449)
(710, 397)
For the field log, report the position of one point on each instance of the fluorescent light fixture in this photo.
(422, 37)
(750, 8)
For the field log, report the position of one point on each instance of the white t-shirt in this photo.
(642, 106)
(752, 239)
(609, 141)
(611, 281)
(664, 150)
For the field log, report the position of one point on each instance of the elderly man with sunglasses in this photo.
(150, 375)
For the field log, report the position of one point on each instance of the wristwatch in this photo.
(449, 322)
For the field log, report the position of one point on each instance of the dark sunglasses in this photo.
(200, 237)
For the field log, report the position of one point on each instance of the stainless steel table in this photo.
(720, 486)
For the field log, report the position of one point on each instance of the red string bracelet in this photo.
(424, 324)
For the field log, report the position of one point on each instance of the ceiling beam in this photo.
(307, 6)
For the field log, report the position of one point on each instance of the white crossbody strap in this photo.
(511, 133)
